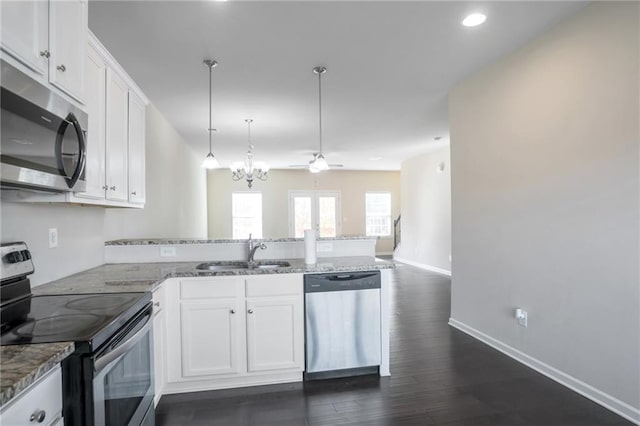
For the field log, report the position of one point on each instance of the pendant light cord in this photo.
(320, 108)
(210, 107)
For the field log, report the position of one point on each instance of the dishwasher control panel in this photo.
(316, 283)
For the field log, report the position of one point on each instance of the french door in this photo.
(319, 210)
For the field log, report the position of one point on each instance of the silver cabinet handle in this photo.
(61, 68)
(113, 188)
(233, 311)
(250, 311)
(105, 187)
(45, 53)
(133, 193)
(38, 416)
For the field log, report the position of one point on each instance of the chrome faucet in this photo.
(253, 247)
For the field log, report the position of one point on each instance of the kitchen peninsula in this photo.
(202, 341)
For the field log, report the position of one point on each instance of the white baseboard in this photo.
(384, 253)
(423, 266)
(609, 402)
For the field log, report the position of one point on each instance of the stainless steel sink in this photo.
(231, 265)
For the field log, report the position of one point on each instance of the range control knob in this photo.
(14, 257)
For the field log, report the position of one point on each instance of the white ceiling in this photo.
(390, 67)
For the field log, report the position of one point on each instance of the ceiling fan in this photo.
(311, 162)
(318, 163)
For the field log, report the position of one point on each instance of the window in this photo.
(318, 210)
(246, 208)
(378, 213)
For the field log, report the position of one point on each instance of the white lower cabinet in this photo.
(234, 331)
(41, 403)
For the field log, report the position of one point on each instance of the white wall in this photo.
(176, 204)
(545, 186)
(80, 236)
(426, 211)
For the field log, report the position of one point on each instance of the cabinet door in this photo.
(210, 333)
(96, 74)
(67, 43)
(116, 149)
(275, 336)
(24, 32)
(136, 149)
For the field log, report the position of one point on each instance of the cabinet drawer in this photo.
(45, 395)
(274, 285)
(215, 288)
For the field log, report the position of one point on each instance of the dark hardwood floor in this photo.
(440, 376)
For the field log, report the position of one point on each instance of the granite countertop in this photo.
(174, 241)
(22, 365)
(141, 277)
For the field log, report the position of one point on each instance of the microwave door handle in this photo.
(82, 155)
(82, 160)
(104, 361)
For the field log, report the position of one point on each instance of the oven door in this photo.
(123, 383)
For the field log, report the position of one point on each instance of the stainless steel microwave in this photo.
(43, 142)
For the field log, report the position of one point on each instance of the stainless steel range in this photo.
(108, 380)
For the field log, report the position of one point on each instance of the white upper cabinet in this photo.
(67, 44)
(117, 135)
(49, 38)
(96, 74)
(24, 32)
(136, 149)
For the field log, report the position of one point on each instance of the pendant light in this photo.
(210, 161)
(319, 163)
(249, 169)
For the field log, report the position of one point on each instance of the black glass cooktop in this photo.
(87, 319)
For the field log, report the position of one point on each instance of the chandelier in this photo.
(249, 169)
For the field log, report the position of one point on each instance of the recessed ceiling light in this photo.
(474, 19)
(375, 158)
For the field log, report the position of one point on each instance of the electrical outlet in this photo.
(167, 251)
(324, 247)
(522, 317)
(53, 237)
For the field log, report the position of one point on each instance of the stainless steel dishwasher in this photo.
(342, 314)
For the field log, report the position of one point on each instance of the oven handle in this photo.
(102, 362)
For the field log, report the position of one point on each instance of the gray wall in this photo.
(176, 202)
(426, 211)
(545, 192)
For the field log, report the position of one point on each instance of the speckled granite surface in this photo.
(174, 241)
(134, 277)
(21, 365)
